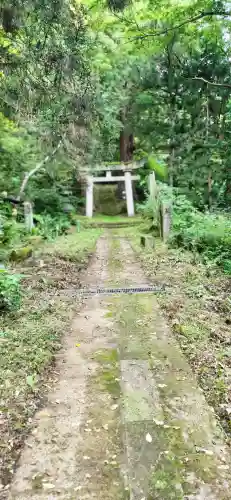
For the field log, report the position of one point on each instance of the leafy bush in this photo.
(150, 209)
(157, 166)
(206, 233)
(49, 201)
(11, 232)
(10, 293)
(50, 227)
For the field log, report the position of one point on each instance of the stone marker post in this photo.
(152, 185)
(129, 194)
(28, 214)
(89, 196)
(165, 219)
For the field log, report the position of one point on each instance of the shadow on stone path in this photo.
(126, 419)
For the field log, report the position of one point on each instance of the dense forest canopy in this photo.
(89, 82)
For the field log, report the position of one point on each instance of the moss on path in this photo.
(175, 446)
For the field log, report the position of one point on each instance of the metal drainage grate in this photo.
(113, 291)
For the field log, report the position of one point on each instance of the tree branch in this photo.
(39, 165)
(187, 21)
(224, 85)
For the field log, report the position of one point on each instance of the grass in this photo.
(198, 308)
(115, 261)
(108, 377)
(30, 338)
(103, 444)
(74, 247)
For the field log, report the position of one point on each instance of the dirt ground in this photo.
(125, 419)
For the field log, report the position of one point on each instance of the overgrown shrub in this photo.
(10, 292)
(49, 201)
(206, 233)
(51, 227)
(150, 209)
(11, 232)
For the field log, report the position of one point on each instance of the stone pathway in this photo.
(126, 419)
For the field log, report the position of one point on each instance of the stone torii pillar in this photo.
(89, 196)
(129, 194)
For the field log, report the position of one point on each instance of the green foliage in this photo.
(11, 232)
(150, 209)
(50, 227)
(158, 167)
(139, 77)
(46, 96)
(206, 233)
(10, 292)
(48, 200)
(147, 209)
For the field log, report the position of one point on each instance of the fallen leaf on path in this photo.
(148, 438)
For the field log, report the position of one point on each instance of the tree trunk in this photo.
(130, 147)
(171, 163)
(126, 141)
(210, 189)
(123, 156)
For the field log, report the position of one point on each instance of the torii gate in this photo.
(127, 178)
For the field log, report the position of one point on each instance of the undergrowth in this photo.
(205, 233)
(10, 292)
